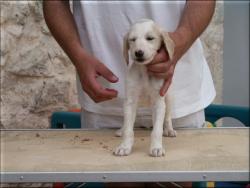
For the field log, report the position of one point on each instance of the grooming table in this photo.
(207, 154)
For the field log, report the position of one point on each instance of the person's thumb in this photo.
(106, 73)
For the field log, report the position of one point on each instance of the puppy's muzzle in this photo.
(139, 54)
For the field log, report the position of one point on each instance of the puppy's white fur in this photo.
(147, 37)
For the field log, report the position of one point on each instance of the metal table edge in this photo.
(108, 129)
(124, 176)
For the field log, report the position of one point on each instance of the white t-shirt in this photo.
(102, 25)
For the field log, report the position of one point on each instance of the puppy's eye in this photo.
(132, 39)
(150, 38)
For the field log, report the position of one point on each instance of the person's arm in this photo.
(61, 23)
(195, 18)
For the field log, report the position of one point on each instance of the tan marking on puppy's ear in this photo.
(126, 48)
(169, 44)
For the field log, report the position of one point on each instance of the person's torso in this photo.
(102, 25)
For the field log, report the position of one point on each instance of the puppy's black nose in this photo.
(139, 53)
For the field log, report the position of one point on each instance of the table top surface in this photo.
(214, 149)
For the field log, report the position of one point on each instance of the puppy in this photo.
(141, 44)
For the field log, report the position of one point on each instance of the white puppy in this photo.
(141, 44)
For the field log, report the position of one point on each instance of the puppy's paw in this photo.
(118, 133)
(122, 150)
(157, 152)
(169, 133)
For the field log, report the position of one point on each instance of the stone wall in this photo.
(212, 40)
(37, 78)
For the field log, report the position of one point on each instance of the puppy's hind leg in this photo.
(168, 127)
(118, 133)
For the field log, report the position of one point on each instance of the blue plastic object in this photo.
(215, 112)
(66, 120)
(72, 120)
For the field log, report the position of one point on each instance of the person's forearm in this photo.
(61, 23)
(195, 18)
(63, 27)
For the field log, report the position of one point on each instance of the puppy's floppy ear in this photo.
(168, 43)
(126, 48)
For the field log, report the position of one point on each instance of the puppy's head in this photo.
(143, 41)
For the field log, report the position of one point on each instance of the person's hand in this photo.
(161, 66)
(88, 70)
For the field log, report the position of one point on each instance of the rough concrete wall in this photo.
(37, 78)
(212, 40)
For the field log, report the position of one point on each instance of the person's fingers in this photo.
(97, 97)
(163, 74)
(88, 76)
(167, 81)
(99, 91)
(165, 86)
(95, 90)
(161, 56)
(158, 75)
(159, 68)
(106, 73)
(101, 99)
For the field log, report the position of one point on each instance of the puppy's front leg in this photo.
(130, 106)
(158, 114)
(125, 147)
